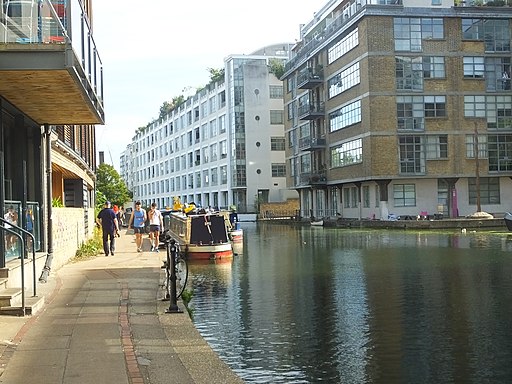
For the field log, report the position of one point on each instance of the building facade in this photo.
(51, 96)
(400, 108)
(224, 146)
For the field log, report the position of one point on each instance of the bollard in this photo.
(172, 251)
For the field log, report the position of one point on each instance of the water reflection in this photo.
(303, 305)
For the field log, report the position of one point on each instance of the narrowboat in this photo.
(201, 236)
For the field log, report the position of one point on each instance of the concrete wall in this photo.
(68, 234)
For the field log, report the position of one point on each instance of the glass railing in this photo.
(32, 223)
(48, 22)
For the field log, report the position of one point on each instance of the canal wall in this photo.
(468, 224)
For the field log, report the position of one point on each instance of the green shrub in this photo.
(91, 247)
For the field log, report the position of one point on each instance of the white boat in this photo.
(235, 231)
(317, 223)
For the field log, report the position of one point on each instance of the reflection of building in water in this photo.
(218, 271)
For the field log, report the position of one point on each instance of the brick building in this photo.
(386, 103)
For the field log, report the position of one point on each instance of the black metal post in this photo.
(49, 257)
(172, 251)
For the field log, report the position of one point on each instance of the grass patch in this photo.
(91, 248)
(186, 296)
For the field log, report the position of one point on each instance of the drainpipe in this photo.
(49, 257)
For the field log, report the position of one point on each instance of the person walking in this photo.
(110, 227)
(138, 220)
(156, 222)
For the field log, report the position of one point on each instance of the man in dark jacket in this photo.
(110, 227)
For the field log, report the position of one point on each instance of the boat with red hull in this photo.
(201, 236)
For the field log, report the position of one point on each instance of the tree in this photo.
(276, 67)
(111, 186)
(167, 107)
(216, 74)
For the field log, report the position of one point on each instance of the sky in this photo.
(154, 50)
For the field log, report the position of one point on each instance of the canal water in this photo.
(308, 304)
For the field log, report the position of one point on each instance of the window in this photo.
(404, 195)
(276, 117)
(346, 116)
(238, 91)
(497, 110)
(435, 106)
(344, 80)
(224, 175)
(489, 190)
(276, 92)
(497, 73)
(291, 109)
(500, 153)
(409, 73)
(214, 177)
(473, 67)
(213, 152)
(204, 109)
(222, 99)
(213, 128)
(197, 157)
(223, 149)
(472, 29)
(343, 46)
(410, 31)
(474, 106)
(482, 146)
(278, 170)
(412, 157)
(348, 153)
(222, 124)
(206, 154)
(433, 67)
(290, 84)
(346, 197)
(437, 147)
(204, 131)
(410, 113)
(239, 176)
(213, 104)
(292, 138)
(277, 144)
(494, 32)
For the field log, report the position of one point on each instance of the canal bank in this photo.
(104, 321)
(412, 223)
(468, 224)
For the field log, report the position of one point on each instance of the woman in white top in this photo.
(156, 224)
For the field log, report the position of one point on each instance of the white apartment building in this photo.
(224, 146)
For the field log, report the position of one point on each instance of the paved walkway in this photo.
(105, 322)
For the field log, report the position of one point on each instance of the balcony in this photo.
(49, 77)
(309, 78)
(312, 143)
(311, 111)
(315, 178)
